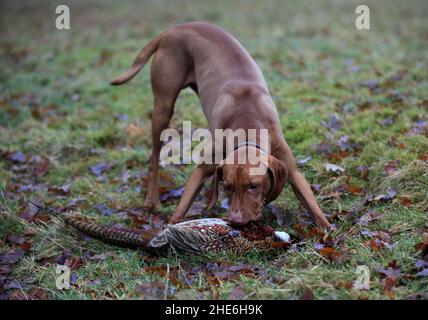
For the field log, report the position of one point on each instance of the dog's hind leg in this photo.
(168, 76)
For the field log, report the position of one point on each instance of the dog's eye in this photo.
(227, 187)
(253, 187)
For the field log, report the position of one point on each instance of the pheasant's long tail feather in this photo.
(123, 238)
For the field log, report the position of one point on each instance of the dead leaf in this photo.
(30, 212)
(332, 123)
(134, 130)
(171, 194)
(104, 210)
(63, 190)
(99, 168)
(334, 168)
(17, 157)
(307, 295)
(303, 161)
(391, 167)
(423, 273)
(237, 293)
(12, 256)
(406, 201)
(330, 253)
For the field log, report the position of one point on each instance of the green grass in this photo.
(55, 102)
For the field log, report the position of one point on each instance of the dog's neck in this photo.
(250, 143)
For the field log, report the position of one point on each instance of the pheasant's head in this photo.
(248, 189)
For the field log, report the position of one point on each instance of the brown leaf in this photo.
(61, 190)
(423, 157)
(337, 156)
(30, 212)
(406, 201)
(38, 294)
(307, 294)
(25, 246)
(423, 246)
(134, 131)
(237, 293)
(391, 167)
(364, 172)
(212, 280)
(330, 253)
(75, 263)
(352, 189)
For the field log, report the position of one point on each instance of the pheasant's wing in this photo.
(188, 239)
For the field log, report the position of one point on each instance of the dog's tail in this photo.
(139, 62)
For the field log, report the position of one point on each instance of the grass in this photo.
(55, 103)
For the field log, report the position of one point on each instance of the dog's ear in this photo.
(278, 177)
(218, 175)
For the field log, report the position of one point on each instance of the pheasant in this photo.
(199, 236)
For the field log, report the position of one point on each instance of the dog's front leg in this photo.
(303, 192)
(192, 189)
(300, 185)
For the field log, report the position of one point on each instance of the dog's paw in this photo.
(174, 220)
(152, 204)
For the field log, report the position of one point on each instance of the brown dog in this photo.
(234, 95)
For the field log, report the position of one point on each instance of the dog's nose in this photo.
(237, 218)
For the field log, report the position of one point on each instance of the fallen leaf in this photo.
(368, 217)
(307, 294)
(334, 168)
(352, 189)
(391, 167)
(419, 127)
(237, 293)
(303, 161)
(421, 264)
(332, 123)
(134, 130)
(171, 194)
(103, 210)
(102, 256)
(406, 201)
(324, 148)
(330, 253)
(99, 168)
(62, 257)
(391, 194)
(26, 246)
(364, 172)
(63, 190)
(75, 263)
(386, 122)
(423, 273)
(17, 157)
(30, 212)
(12, 256)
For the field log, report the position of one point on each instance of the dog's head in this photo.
(248, 192)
